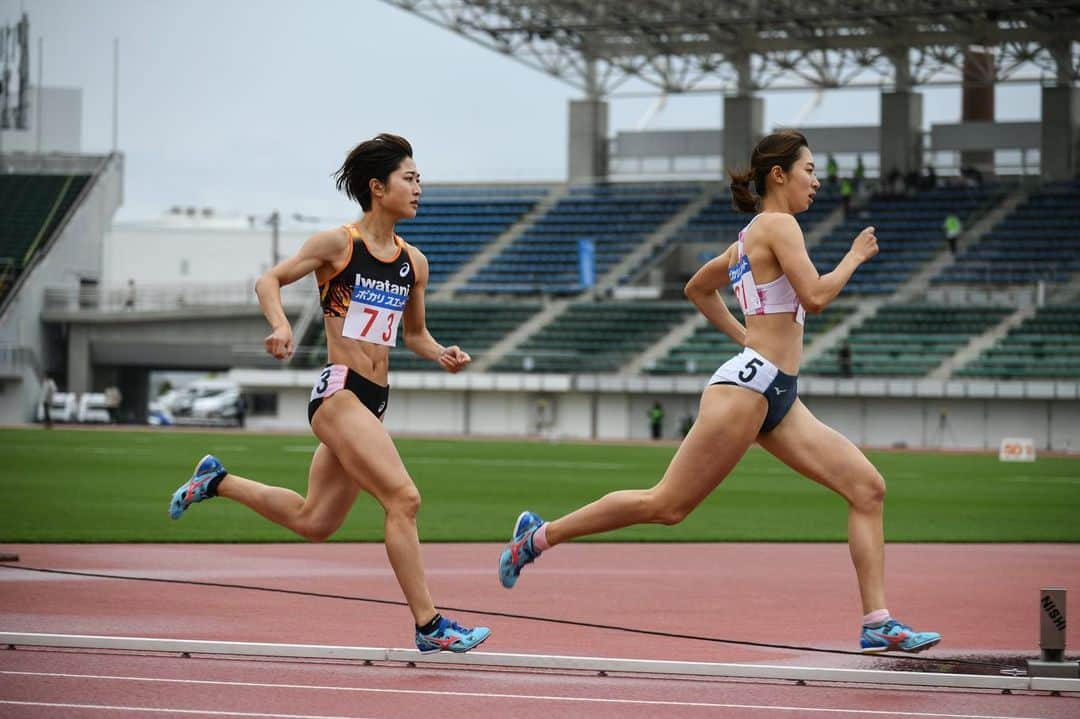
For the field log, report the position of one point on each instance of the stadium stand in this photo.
(595, 337)
(31, 208)
(707, 348)
(1042, 347)
(909, 231)
(908, 340)
(544, 260)
(454, 223)
(1039, 240)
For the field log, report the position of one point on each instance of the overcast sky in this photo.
(248, 105)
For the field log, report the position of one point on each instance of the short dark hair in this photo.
(780, 148)
(373, 159)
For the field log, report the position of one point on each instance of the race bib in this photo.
(742, 282)
(374, 313)
(331, 379)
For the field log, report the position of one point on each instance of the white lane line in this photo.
(526, 697)
(200, 712)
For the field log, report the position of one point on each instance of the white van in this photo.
(92, 408)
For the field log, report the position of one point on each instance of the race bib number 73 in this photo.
(374, 315)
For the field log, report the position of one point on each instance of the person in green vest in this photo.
(953, 227)
(860, 172)
(832, 170)
(846, 191)
(656, 420)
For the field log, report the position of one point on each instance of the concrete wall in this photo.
(74, 256)
(61, 123)
(486, 405)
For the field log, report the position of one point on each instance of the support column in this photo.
(78, 359)
(901, 120)
(744, 125)
(1059, 153)
(587, 142)
(977, 103)
(744, 117)
(901, 126)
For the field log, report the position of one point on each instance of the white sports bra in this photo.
(768, 299)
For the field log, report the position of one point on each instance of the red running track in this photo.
(983, 598)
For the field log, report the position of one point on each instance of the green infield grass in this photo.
(114, 486)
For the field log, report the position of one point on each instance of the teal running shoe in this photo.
(520, 550)
(449, 636)
(197, 488)
(896, 637)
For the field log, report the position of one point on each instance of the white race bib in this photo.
(374, 314)
(746, 291)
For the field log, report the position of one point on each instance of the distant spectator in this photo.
(894, 183)
(911, 182)
(844, 357)
(953, 228)
(656, 420)
(241, 411)
(113, 399)
(928, 181)
(687, 424)
(832, 170)
(973, 177)
(846, 190)
(860, 172)
(129, 298)
(48, 393)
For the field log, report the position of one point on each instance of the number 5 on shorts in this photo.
(751, 369)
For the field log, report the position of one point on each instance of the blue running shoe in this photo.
(896, 637)
(451, 637)
(519, 551)
(196, 489)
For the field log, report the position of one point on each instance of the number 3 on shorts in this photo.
(751, 370)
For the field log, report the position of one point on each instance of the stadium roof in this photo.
(744, 45)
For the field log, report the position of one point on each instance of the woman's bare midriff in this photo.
(371, 361)
(778, 338)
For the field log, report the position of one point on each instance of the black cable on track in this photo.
(526, 617)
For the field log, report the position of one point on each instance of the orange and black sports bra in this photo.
(367, 275)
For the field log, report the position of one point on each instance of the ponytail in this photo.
(742, 197)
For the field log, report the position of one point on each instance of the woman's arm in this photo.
(702, 290)
(417, 337)
(785, 238)
(319, 250)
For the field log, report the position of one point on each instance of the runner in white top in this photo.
(752, 397)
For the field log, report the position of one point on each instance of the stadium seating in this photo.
(453, 224)
(596, 337)
(617, 217)
(707, 348)
(1039, 240)
(908, 340)
(1044, 346)
(31, 208)
(909, 232)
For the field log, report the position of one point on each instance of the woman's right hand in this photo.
(279, 343)
(865, 245)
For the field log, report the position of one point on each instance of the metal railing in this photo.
(170, 297)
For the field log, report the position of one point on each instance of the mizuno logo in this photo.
(779, 391)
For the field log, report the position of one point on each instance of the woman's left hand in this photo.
(453, 359)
